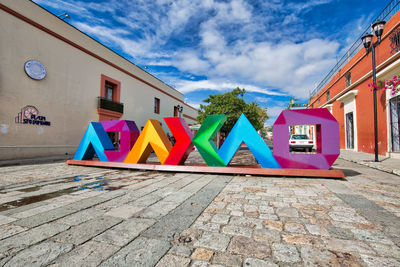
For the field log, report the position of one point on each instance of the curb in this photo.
(31, 161)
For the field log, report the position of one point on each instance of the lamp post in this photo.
(377, 28)
(180, 108)
(64, 16)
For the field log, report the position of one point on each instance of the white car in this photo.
(300, 142)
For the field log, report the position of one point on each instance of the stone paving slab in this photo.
(123, 233)
(85, 231)
(39, 255)
(10, 230)
(140, 252)
(54, 214)
(15, 243)
(91, 253)
(80, 216)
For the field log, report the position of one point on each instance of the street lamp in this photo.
(377, 28)
(64, 16)
(180, 108)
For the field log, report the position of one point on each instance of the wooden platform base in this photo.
(251, 170)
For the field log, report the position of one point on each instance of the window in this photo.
(395, 41)
(175, 111)
(109, 89)
(327, 96)
(156, 105)
(349, 131)
(395, 123)
(319, 102)
(347, 77)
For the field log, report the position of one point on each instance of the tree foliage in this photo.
(232, 105)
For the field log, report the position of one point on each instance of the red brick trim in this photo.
(189, 117)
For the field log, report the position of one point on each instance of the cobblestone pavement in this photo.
(62, 215)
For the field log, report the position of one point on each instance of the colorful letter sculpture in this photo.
(94, 140)
(151, 138)
(241, 132)
(203, 140)
(328, 147)
(129, 134)
(183, 141)
(135, 148)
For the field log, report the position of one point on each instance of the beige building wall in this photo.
(67, 96)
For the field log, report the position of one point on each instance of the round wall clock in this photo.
(35, 70)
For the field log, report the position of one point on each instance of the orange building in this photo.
(346, 93)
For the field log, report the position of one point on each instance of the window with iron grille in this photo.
(347, 77)
(395, 41)
(328, 96)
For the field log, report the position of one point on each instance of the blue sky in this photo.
(274, 49)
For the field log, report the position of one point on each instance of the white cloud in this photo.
(117, 37)
(302, 6)
(291, 18)
(190, 62)
(186, 86)
(271, 101)
(262, 99)
(273, 113)
(193, 104)
(275, 110)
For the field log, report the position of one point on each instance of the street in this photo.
(61, 215)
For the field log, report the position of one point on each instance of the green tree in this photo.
(232, 105)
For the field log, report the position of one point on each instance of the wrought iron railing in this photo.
(110, 105)
(385, 15)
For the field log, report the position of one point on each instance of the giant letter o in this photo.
(328, 146)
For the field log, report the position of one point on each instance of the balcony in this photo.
(110, 105)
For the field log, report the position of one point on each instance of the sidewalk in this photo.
(37, 160)
(385, 164)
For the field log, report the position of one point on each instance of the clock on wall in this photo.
(35, 70)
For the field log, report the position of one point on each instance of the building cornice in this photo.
(348, 96)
